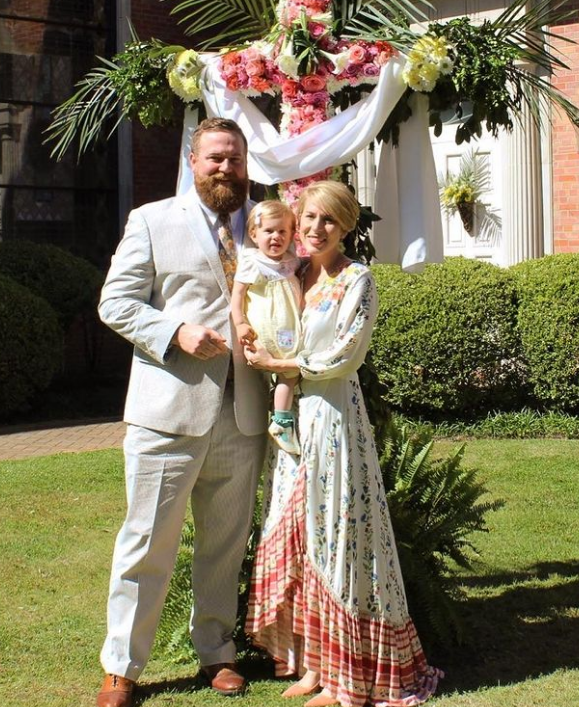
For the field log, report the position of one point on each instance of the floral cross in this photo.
(306, 64)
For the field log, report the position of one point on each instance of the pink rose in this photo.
(289, 88)
(357, 53)
(313, 83)
(252, 53)
(370, 70)
(298, 100)
(317, 29)
(254, 67)
(227, 71)
(272, 72)
(350, 72)
(319, 98)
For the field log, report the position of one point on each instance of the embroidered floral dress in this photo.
(327, 590)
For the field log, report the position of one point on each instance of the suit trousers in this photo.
(219, 473)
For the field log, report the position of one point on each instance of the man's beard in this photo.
(222, 195)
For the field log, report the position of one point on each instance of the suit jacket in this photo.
(166, 272)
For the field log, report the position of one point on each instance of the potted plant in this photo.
(462, 192)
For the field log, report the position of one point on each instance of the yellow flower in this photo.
(412, 77)
(183, 76)
(463, 194)
(429, 72)
(427, 60)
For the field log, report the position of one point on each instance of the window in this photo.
(46, 46)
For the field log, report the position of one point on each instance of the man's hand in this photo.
(199, 341)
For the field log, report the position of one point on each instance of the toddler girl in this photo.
(265, 304)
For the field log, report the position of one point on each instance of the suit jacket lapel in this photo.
(202, 233)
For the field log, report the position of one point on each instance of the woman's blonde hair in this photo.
(334, 199)
(269, 209)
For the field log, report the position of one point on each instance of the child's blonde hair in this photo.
(269, 209)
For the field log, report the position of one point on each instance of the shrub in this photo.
(548, 320)
(30, 345)
(70, 284)
(446, 340)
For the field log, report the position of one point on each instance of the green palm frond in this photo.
(131, 85)
(237, 21)
(399, 11)
(521, 25)
(96, 103)
(540, 95)
(382, 19)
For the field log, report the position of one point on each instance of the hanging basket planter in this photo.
(466, 213)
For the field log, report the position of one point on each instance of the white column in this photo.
(547, 179)
(523, 195)
(366, 176)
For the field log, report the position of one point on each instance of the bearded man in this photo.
(196, 416)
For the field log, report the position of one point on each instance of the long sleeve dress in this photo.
(327, 591)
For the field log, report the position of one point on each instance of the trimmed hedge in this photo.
(548, 319)
(445, 342)
(30, 345)
(68, 283)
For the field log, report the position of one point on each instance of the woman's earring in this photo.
(341, 247)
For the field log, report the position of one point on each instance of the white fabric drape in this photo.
(410, 232)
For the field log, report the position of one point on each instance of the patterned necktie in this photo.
(227, 250)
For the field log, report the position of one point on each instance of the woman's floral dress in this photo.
(327, 591)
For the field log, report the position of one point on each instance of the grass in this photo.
(59, 516)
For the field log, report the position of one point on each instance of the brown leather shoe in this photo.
(224, 678)
(116, 692)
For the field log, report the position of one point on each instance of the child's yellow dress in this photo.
(272, 304)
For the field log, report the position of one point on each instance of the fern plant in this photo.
(172, 638)
(435, 507)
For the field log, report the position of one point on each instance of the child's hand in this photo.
(245, 334)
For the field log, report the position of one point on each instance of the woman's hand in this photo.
(258, 356)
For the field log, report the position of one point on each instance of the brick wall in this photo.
(566, 144)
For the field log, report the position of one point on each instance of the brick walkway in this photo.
(41, 441)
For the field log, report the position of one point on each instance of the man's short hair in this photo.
(215, 125)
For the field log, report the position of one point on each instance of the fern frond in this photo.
(435, 507)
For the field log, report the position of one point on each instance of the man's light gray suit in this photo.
(190, 435)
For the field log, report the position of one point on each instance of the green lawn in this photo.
(58, 520)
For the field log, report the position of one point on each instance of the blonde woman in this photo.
(327, 598)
